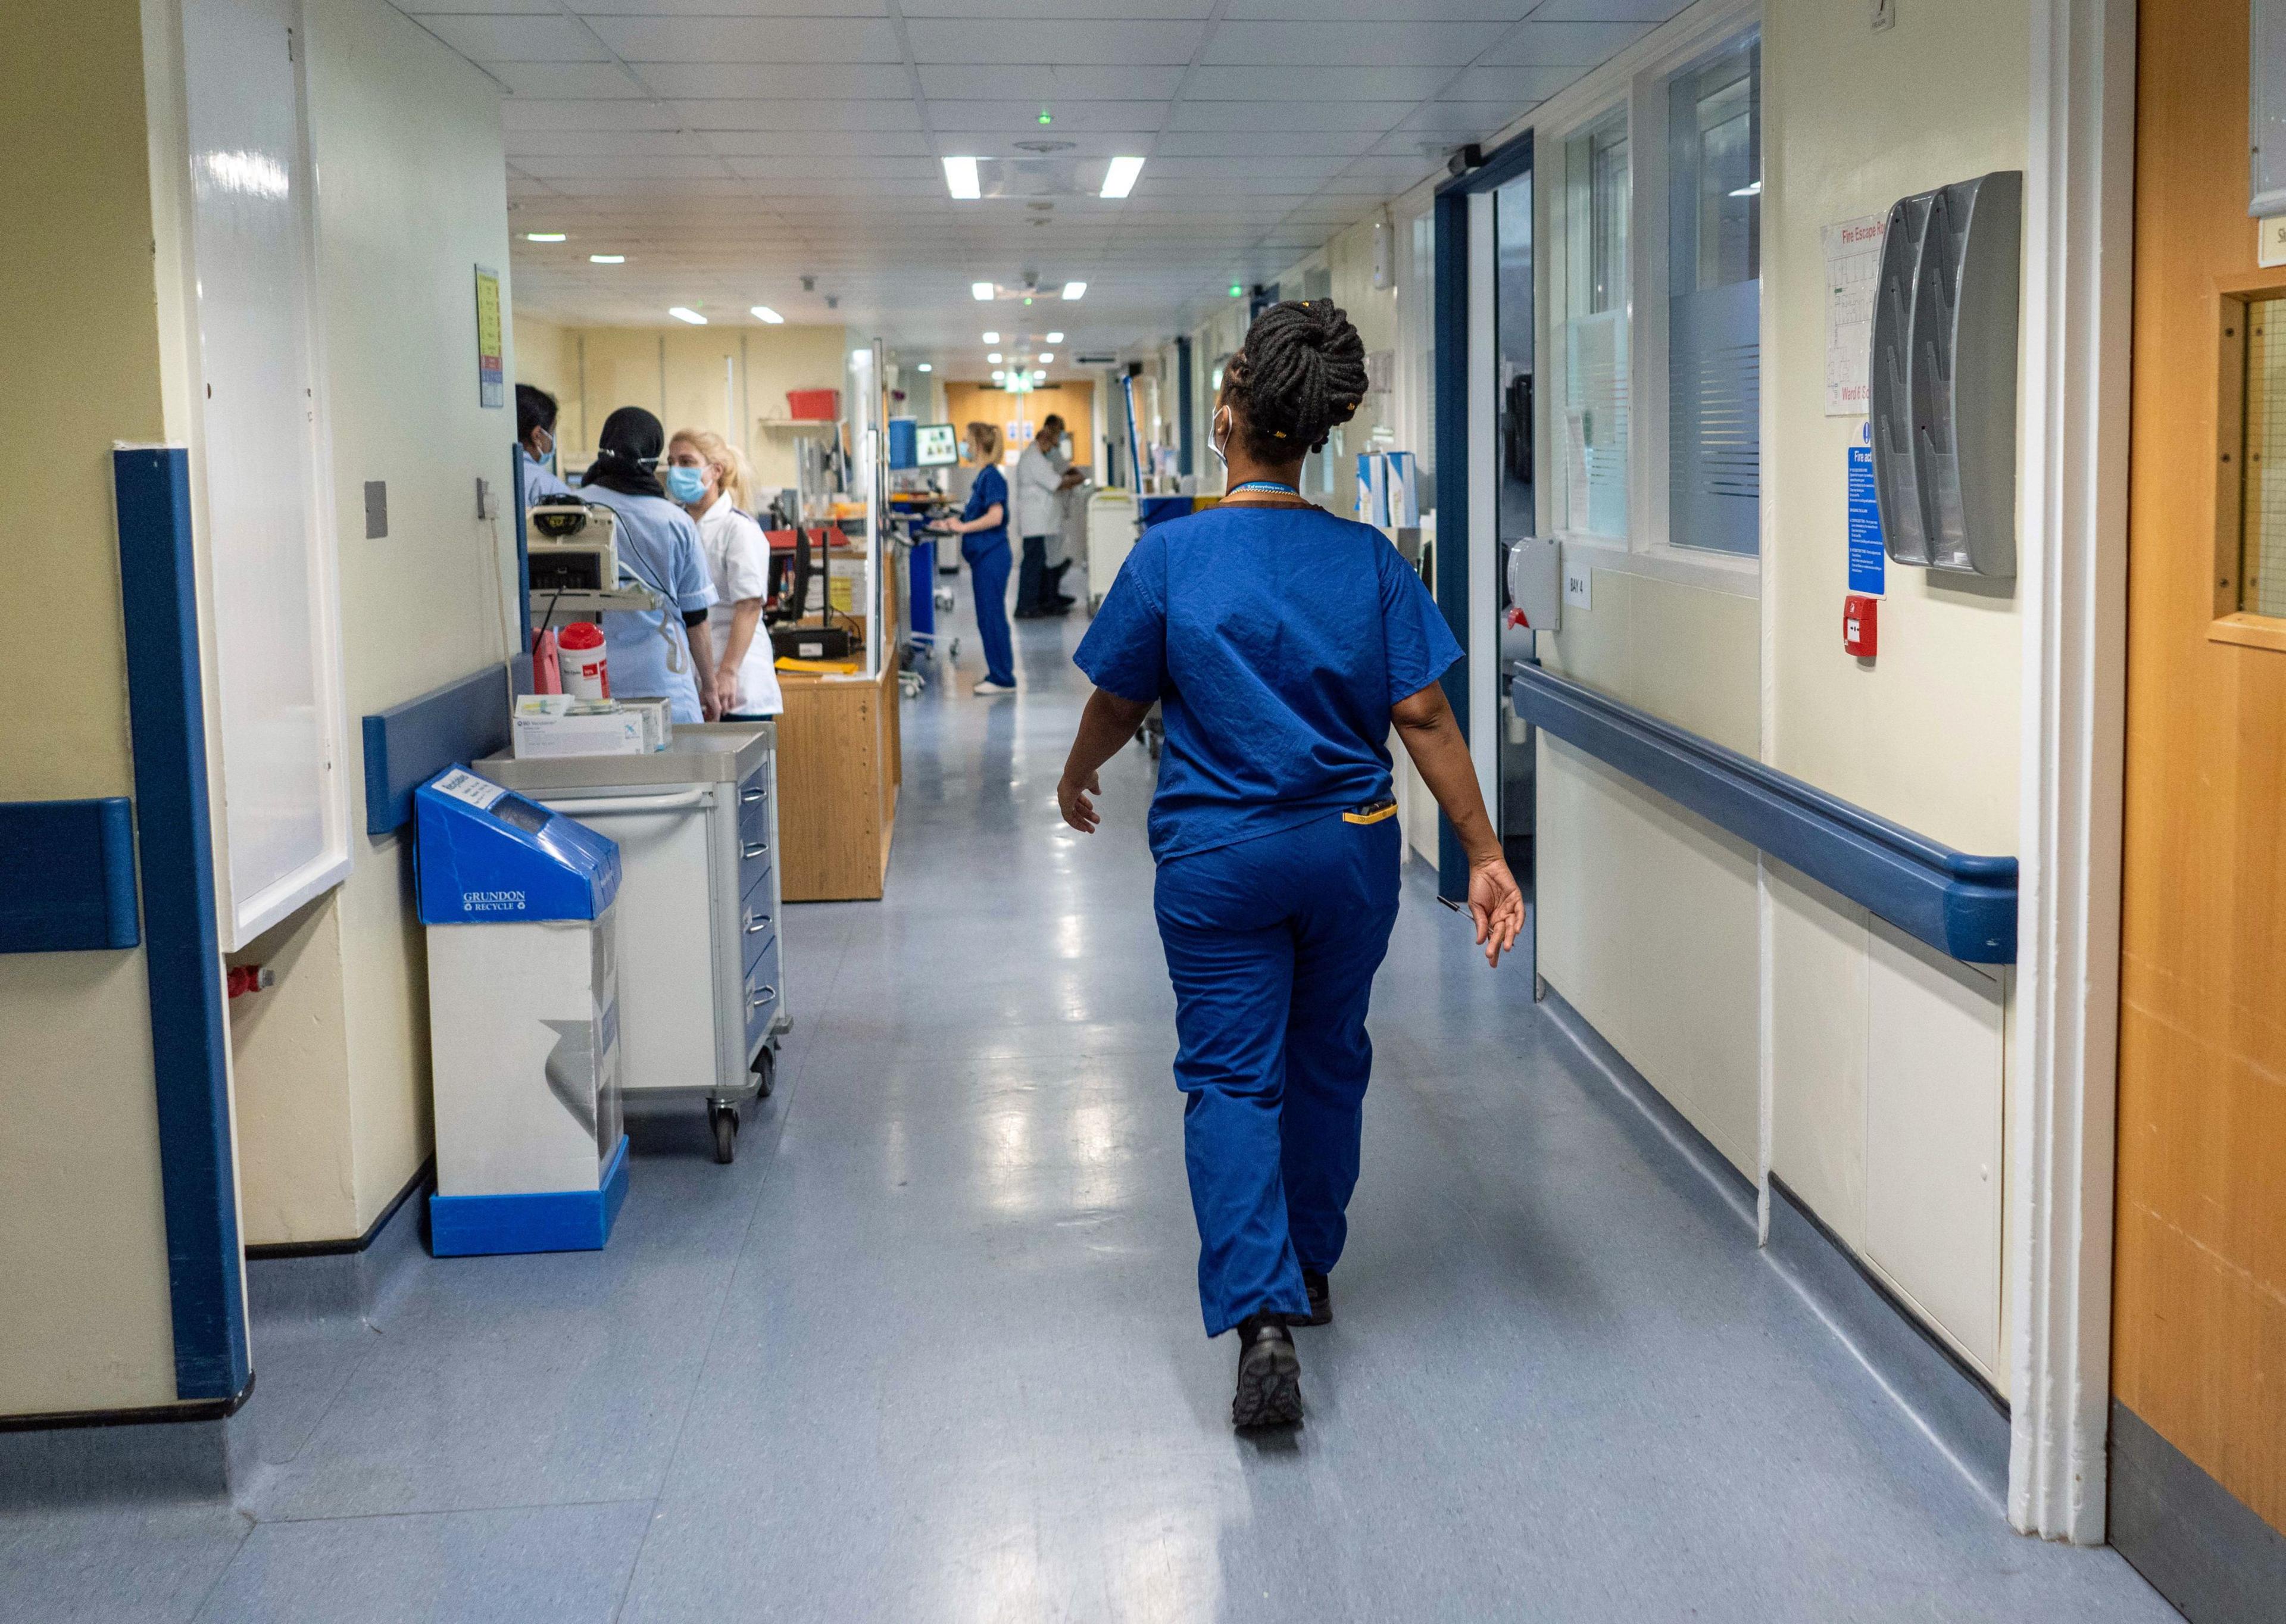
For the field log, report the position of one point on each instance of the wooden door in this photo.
(2199, 1329)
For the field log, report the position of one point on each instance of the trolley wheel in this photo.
(726, 1131)
(766, 1072)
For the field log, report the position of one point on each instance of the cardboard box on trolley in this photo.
(523, 1021)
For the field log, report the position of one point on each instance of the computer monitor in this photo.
(938, 447)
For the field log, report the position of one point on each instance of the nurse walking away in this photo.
(664, 652)
(1282, 642)
(982, 528)
(709, 479)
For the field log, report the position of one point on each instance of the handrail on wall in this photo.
(1960, 903)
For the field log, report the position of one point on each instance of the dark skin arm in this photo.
(1105, 727)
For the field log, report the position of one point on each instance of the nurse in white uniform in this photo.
(664, 652)
(708, 478)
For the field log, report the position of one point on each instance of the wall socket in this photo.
(1885, 14)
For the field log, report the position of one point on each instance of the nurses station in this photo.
(700, 695)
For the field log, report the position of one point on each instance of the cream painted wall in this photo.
(1861, 1064)
(332, 1067)
(540, 352)
(679, 374)
(83, 1240)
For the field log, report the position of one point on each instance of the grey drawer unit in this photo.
(702, 984)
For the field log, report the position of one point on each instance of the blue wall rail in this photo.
(410, 744)
(1962, 905)
(68, 876)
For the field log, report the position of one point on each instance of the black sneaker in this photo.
(1321, 1300)
(1269, 1375)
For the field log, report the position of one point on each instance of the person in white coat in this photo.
(1040, 481)
(710, 478)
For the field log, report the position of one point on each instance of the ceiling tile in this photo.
(1583, 45)
(1379, 11)
(1248, 115)
(1055, 85)
(696, 186)
(744, 8)
(1318, 84)
(746, 39)
(1349, 45)
(1025, 116)
(858, 81)
(520, 113)
(517, 39)
(1168, 10)
(1461, 118)
(1402, 166)
(1111, 44)
(566, 80)
(633, 166)
(1240, 144)
(818, 142)
(425, 9)
(1517, 85)
(787, 114)
(524, 144)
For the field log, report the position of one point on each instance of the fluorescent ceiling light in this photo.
(1073, 290)
(1047, 355)
(543, 236)
(960, 179)
(982, 290)
(763, 312)
(992, 338)
(994, 356)
(1753, 188)
(924, 366)
(1055, 338)
(998, 377)
(1119, 180)
(681, 312)
(607, 259)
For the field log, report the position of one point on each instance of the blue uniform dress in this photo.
(1277, 641)
(987, 552)
(658, 545)
(538, 479)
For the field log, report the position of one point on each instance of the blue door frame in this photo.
(1453, 553)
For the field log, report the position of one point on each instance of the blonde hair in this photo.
(986, 439)
(735, 473)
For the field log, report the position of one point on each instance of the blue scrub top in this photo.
(538, 479)
(658, 545)
(991, 486)
(1277, 640)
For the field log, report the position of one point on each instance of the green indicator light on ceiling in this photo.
(1045, 118)
(1237, 292)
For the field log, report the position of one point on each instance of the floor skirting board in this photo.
(195, 1452)
(348, 1280)
(1966, 1420)
(2200, 1546)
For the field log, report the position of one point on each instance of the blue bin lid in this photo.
(490, 857)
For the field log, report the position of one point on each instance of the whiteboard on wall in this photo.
(271, 603)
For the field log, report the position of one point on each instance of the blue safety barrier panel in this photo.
(410, 744)
(68, 876)
(1961, 904)
(545, 1221)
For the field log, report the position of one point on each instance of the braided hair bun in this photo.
(1300, 372)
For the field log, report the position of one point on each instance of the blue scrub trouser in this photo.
(988, 575)
(1272, 944)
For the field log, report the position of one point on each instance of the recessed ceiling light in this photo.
(607, 259)
(1119, 180)
(1047, 355)
(1055, 338)
(763, 312)
(992, 338)
(981, 290)
(1073, 290)
(999, 377)
(543, 236)
(994, 356)
(924, 366)
(960, 179)
(684, 313)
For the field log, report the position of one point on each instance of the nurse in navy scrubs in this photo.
(1283, 643)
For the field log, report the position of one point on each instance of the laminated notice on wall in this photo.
(491, 372)
(1869, 562)
(1853, 270)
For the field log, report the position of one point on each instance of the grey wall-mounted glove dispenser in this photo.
(1945, 376)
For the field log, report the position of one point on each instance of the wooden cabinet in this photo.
(840, 765)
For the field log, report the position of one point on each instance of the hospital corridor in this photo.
(1143, 811)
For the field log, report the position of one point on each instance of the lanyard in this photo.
(1262, 484)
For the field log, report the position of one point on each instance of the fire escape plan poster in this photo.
(1853, 269)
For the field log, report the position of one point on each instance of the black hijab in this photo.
(627, 450)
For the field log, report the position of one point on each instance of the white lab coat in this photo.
(1038, 512)
(739, 557)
